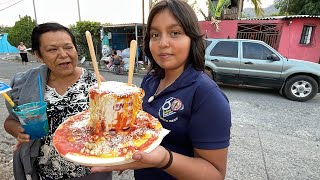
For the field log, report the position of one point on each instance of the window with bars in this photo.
(306, 34)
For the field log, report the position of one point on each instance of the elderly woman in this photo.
(23, 53)
(65, 88)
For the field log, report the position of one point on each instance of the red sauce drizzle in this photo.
(148, 143)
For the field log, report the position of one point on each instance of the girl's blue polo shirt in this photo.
(194, 109)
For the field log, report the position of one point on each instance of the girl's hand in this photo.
(156, 158)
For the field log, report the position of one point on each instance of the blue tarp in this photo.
(5, 46)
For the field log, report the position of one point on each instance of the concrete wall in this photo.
(227, 28)
(5, 46)
(290, 40)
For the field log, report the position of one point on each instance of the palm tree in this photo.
(215, 7)
(257, 7)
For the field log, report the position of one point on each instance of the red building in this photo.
(296, 37)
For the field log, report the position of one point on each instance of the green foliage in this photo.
(298, 7)
(244, 15)
(275, 14)
(211, 5)
(220, 6)
(79, 31)
(212, 8)
(21, 31)
(257, 7)
(4, 29)
(215, 8)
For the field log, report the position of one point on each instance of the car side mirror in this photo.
(273, 57)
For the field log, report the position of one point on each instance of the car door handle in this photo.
(215, 60)
(248, 62)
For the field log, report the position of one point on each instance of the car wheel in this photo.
(209, 72)
(300, 88)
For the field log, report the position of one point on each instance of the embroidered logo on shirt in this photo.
(170, 107)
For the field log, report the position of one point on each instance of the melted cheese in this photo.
(142, 140)
(82, 123)
(114, 106)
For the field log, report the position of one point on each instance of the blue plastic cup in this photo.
(33, 118)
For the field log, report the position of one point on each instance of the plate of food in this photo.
(111, 130)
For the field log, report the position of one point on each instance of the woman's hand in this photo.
(156, 158)
(14, 128)
(21, 138)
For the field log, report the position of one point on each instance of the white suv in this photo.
(255, 63)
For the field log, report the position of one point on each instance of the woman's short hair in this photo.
(48, 27)
(188, 20)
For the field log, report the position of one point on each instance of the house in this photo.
(5, 46)
(296, 36)
(119, 36)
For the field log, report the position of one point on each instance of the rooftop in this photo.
(281, 17)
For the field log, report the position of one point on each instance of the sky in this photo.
(66, 11)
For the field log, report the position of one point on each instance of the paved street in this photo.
(272, 137)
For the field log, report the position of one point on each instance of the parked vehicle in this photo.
(255, 63)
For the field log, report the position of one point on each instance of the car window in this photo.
(207, 43)
(256, 51)
(225, 48)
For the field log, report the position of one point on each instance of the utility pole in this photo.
(142, 17)
(141, 50)
(35, 14)
(11, 5)
(143, 12)
(79, 10)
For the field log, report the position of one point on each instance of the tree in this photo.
(21, 31)
(4, 29)
(257, 7)
(79, 31)
(298, 7)
(215, 8)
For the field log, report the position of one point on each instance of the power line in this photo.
(11, 5)
(2, 2)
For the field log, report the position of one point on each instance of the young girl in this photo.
(184, 99)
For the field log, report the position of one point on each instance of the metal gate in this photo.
(269, 33)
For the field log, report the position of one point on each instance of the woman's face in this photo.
(58, 52)
(169, 45)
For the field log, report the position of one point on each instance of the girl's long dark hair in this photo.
(187, 18)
